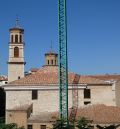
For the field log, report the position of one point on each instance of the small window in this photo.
(18, 77)
(48, 62)
(34, 94)
(12, 38)
(20, 38)
(52, 62)
(16, 38)
(16, 52)
(87, 94)
(87, 102)
(43, 126)
(30, 127)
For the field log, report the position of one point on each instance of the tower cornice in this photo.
(16, 62)
(14, 28)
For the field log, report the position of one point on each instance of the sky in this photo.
(93, 33)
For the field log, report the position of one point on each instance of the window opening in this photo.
(87, 93)
(34, 94)
(16, 38)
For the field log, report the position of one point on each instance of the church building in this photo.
(31, 99)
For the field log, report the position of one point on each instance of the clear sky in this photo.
(93, 33)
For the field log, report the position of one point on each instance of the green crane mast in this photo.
(63, 63)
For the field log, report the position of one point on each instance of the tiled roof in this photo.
(107, 77)
(34, 69)
(100, 114)
(42, 117)
(3, 78)
(21, 108)
(49, 75)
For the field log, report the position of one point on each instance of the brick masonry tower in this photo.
(16, 53)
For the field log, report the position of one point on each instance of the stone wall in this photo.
(48, 100)
(117, 93)
(18, 117)
(38, 125)
(102, 95)
(15, 71)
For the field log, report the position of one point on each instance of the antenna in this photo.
(51, 47)
(17, 21)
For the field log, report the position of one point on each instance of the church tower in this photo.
(51, 58)
(16, 53)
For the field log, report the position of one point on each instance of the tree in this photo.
(2, 103)
(61, 124)
(10, 126)
(83, 123)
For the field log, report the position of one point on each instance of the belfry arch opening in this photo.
(12, 38)
(16, 38)
(20, 38)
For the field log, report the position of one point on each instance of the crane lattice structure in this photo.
(63, 65)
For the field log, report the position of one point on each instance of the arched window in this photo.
(12, 38)
(16, 38)
(16, 52)
(20, 38)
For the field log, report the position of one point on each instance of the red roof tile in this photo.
(107, 77)
(3, 78)
(100, 113)
(49, 75)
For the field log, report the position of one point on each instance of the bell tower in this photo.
(51, 58)
(16, 53)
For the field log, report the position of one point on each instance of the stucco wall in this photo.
(15, 71)
(17, 98)
(102, 95)
(48, 100)
(38, 125)
(19, 117)
(117, 93)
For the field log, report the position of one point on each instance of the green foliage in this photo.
(107, 127)
(10, 126)
(83, 123)
(2, 103)
(62, 124)
(2, 119)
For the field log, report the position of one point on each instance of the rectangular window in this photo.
(34, 94)
(43, 126)
(87, 102)
(87, 94)
(30, 127)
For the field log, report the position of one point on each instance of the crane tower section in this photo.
(63, 65)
